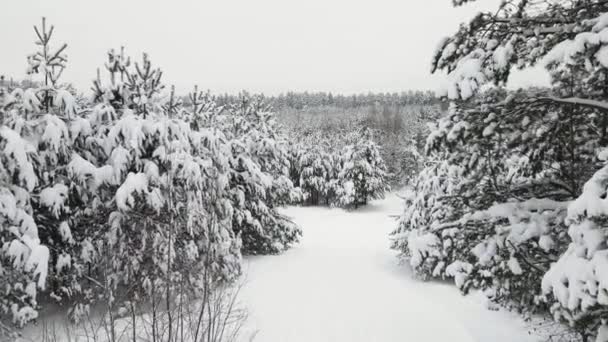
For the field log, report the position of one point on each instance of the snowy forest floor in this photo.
(343, 283)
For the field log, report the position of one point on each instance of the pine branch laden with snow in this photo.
(510, 259)
(521, 34)
(23, 259)
(577, 284)
(429, 252)
(489, 209)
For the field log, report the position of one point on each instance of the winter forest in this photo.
(133, 208)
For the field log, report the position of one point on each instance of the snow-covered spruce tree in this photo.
(258, 175)
(363, 171)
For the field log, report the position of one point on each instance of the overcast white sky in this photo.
(269, 46)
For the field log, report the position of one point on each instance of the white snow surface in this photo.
(343, 283)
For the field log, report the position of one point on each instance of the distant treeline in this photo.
(12, 83)
(301, 100)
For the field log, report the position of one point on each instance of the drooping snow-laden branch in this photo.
(492, 44)
(595, 104)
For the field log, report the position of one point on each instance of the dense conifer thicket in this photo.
(132, 192)
(325, 123)
(345, 171)
(512, 198)
(347, 150)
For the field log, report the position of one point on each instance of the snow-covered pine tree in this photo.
(115, 92)
(364, 171)
(516, 163)
(313, 177)
(334, 162)
(509, 225)
(200, 107)
(120, 199)
(540, 147)
(37, 129)
(435, 199)
(316, 163)
(162, 187)
(23, 259)
(295, 154)
(325, 166)
(258, 173)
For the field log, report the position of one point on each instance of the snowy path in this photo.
(343, 283)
